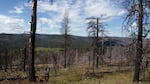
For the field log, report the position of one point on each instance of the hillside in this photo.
(42, 40)
(53, 41)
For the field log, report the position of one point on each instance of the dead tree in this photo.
(32, 42)
(138, 13)
(66, 37)
(94, 27)
(0, 57)
(55, 60)
(6, 60)
(24, 58)
(92, 30)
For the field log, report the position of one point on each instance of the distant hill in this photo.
(53, 41)
(42, 40)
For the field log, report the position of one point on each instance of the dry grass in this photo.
(77, 76)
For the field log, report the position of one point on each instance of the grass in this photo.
(76, 75)
(12, 74)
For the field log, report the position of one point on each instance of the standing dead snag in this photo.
(94, 27)
(55, 60)
(65, 31)
(6, 59)
(97, 50)
(32, 42)
(139, 43)
(139, 14)
(93, 33)
(24, 58)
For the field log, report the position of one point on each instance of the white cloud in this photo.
(47, 22)
(117, 31)
(100, 7)
(47, 26)
(79, 10)
(17, 10)
(11, 24)
(46, 6)
(122, 12)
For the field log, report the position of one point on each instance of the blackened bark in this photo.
(32, 42)
(24, 59)
(93, 60)
(65, 31)
(139, 44)
(97, 48)
(65, 46)
(6, 60)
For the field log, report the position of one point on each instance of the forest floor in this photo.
(80, 75)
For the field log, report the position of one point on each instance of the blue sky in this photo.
(15, 16)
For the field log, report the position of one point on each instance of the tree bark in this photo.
(32, 42)
(139, 44)
(97, 48)
(6, 60)
(65, 46)
(24, 59)
(65, 31)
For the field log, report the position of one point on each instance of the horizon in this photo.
(59, 35)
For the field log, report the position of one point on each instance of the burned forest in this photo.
(75, 42)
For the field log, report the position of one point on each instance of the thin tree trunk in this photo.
(139, 44)
(6, 60)
(97, 61)
(24, 59)
(65, 57)
(89, 60)
(32, 42)
(97, 48)
(93, 59)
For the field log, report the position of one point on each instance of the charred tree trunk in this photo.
(139, 43)
(89, 60)
(1, 63)
(55, 59)
(65, 32)
(32, 42)
(94, 60)
(65, 46)
(6, 60)
(24, 59)
(97, 48)
(93, 57)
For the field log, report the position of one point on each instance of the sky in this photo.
(15, 16)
